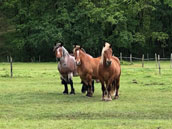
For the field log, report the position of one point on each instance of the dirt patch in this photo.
(134, 81)
(153, 83)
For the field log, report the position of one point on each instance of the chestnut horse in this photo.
(86, 67)
(66, 67)
(109, 73)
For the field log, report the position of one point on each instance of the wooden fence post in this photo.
(171, 60)
(121, 57)
(11, 66)
(156, 60)
(142, 60)
(159, 64)
(131, 58)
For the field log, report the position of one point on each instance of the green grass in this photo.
(33, 99)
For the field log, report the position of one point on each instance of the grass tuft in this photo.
(33, 99)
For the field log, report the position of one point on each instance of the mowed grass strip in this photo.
(33, 99)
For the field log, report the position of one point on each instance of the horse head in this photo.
(77, 53)
(58, 51)
(107, 54)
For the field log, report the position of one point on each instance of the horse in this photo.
(66, 67)
(86, 68)
(109, 71)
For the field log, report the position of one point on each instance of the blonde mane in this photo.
(107, 46)
(76, 47)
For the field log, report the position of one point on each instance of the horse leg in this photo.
(84, 87)
(103, 91)
(108, 90)
(109, 93)
(65, 86)
(93, 86)
(89, 80)
(72, 89)
(89, 92)
(117, 88)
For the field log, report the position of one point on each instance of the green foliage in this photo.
(160, 36)
(128, 25)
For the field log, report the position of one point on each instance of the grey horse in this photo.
(66, 67)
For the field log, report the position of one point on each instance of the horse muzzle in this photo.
(78, 63)
(108, 62)
(57, 59)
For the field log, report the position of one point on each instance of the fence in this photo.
(131, 59)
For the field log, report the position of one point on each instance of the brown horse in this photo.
(86, 67)
(109, 73)
(66, 67)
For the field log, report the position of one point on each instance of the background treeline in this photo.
(30, 28)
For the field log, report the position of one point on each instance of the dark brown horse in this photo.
(109, 73)
(87, 67)
(66, 67)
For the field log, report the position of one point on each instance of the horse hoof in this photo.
(72, 92)
(89, 95)
(83, 92)
(65, 92)
(103, 99)
(116, 97)
(108, 99)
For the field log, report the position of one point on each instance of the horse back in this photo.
(95, 62)
(89, 66)
(117, 66)
(67, 66)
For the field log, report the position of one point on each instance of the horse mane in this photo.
(77, 47)
(57, 46)
(65, 52)
(106, 47)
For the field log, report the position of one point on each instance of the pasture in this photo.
(33, 99)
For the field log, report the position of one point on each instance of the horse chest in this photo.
(83, 72)
(64, 69)
(105, 73)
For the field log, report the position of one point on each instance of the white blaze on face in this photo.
(77, 53)
(58, 51)
(77, 58)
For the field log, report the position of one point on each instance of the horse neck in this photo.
(64, 57)
(65, 52)
(103, 61)
(84, 55)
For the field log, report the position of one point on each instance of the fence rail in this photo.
(157, 60)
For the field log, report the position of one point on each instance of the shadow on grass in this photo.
(106, 114)
(46, 98)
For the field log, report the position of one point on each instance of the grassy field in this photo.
(33, 99)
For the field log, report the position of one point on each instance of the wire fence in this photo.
(129, 59)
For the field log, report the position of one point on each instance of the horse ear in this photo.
(61, 44)
(54, 48)
(104, 44)
(110, 46)
(83, 50)
(74, 45)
